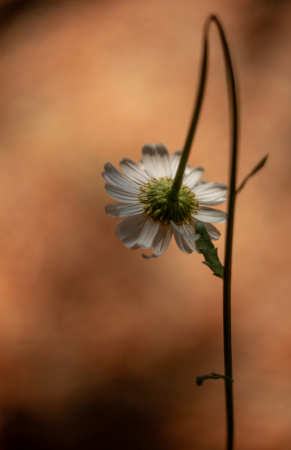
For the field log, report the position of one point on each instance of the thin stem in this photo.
(231, 206)
(177, 183)
(229, 241)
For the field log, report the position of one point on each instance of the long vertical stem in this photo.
(229, 241)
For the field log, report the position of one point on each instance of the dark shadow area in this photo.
(12, 9)
(118, 418)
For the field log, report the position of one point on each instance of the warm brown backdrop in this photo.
(99, 348)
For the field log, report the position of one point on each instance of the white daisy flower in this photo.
(150, 217)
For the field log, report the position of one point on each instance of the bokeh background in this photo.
(99, 348)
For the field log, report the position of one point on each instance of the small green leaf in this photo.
(205, 246)
(212, 376)
(258, 167)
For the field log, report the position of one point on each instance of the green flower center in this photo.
(155, 196)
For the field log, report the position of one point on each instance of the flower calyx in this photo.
(161, 207)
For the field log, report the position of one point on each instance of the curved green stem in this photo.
(231, 205)
(177, 183)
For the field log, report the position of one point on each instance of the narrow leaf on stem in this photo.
(258, 167)
(206, 247)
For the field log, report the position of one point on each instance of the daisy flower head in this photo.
(151, 214)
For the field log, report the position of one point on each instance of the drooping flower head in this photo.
(151, 214)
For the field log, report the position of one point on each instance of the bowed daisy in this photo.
(151, 215)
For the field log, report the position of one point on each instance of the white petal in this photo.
(121, 194)
(189, 235)
(189, 230)
(218, 189)
(132, 238)
(123, 209)
(209, 193)
(202, 182)
(156, 160)
(213, 232)
(212, 202)
(163, 161)
(187, 170)
(148, 233)
(207, 196)
(148, 154)
(208, 215)
(193, 177)
(162, 239)
(175, 162)
(181, 243)
(133, 171)
(141, 165)
(129, 225)
(113, 176)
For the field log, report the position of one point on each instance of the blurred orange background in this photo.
(99, 348)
